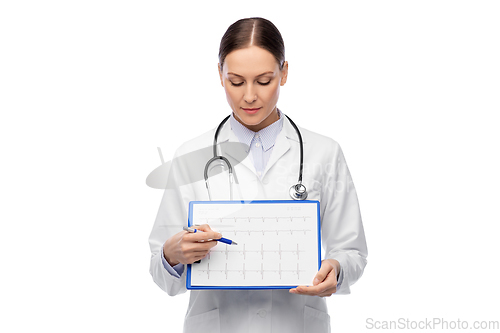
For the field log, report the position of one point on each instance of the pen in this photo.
(223, 240)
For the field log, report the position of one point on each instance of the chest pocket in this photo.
(207, 322)
(316, 321)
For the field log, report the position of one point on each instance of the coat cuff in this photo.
(341, 277)
(175, 271)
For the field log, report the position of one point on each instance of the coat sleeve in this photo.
(171, 217)
(343, 235)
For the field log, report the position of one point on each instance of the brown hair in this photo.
(252, 31)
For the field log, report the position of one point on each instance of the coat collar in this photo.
(283, 142)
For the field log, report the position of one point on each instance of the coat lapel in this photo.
(281, 146)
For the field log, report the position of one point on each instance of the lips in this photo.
(251, 110)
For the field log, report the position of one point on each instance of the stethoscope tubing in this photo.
(297, 192)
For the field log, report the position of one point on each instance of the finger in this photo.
(202, 236)
(324, 270)
(323, 289)
(203, 227)
(309, 290)
(207, 234)
(201, 254)
(206, 228)
(190, 247)
(328, 293)
(193, 259)
(195, 254)
(328, 285)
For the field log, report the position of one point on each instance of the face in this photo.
(251, 78)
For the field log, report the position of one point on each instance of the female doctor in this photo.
(265, 163)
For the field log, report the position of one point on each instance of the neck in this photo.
(273, 117)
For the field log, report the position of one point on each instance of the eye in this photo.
(265, 84)
(237, 84)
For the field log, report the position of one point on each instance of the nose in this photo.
(250, 94)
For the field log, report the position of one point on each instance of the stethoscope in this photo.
(297, 191)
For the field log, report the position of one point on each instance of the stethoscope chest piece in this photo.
(298, 192)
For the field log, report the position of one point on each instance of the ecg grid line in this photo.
(262, 251)
(244, 271)
(249, 219)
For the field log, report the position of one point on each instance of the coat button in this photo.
(262, 313)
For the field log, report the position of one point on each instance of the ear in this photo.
(284, 73)
(220, 74)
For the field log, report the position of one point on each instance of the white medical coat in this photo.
(327, 178)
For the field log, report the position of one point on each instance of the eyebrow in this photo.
(269, 72)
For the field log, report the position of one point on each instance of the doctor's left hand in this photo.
(325, 282)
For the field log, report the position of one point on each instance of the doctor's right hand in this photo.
(186, 248)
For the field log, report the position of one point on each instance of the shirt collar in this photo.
(267, 134)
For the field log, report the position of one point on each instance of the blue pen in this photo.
(223, 240)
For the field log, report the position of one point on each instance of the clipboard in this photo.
(279, 244)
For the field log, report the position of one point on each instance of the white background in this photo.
(90, 89)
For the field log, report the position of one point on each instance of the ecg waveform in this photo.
(245, 271)
(261, 251)
(255, 219)
(263, 232)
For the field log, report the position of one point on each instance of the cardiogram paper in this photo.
(279, 244)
